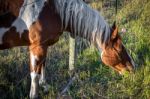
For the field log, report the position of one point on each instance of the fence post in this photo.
(72, 53)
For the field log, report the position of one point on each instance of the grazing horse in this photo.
(39, 24)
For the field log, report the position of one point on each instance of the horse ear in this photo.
(114, 31)
(114, 25)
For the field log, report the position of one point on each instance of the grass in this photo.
(95, 80)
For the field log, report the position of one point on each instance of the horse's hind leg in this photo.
(37, 61)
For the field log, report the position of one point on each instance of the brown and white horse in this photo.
(39, 24)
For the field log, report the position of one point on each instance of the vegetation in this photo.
(94, 80)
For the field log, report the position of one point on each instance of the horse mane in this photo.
(83, 20)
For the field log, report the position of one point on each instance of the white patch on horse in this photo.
(42, 77)
(28, 14)
(42, 81)
(20, 26)
(102, 54)
(34, 59)
(2, 32)
(34, 85)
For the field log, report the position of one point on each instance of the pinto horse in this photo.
(39, 24)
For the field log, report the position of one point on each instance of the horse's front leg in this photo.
(42, 80)
(37, 72)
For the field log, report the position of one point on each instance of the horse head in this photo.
(115, 54)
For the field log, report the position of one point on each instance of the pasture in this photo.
(94, 79)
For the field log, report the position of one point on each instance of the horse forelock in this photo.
(83, 20)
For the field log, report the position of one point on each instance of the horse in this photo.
(38, 24)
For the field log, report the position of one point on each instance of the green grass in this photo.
(95, 80)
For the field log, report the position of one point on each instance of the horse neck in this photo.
(80, 20)
(99, 36)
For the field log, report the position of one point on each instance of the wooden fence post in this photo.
(72, 53)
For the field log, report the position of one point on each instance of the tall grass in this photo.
(94, 80)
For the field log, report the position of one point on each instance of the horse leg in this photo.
(42, 81)
(37, 59)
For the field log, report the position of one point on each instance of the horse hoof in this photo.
(34, 96)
